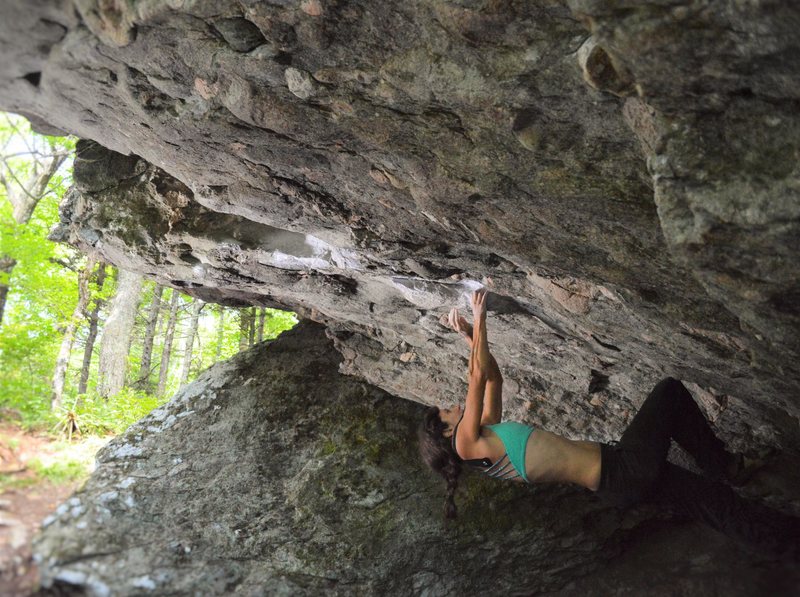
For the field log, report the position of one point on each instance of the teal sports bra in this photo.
(512, 465)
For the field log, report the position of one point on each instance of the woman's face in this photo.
(450, 417)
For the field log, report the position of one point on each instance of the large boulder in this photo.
(274, 474)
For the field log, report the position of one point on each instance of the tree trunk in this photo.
(197, 306)
(220, 333)
(167, 349)
(25, 199)
(244, 328)
(117, 334)
(262, 316)
(94, 316)
(149, 334)
(6, 266)
(252, 331)
(60, 374)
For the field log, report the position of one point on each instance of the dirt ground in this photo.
(23, 509)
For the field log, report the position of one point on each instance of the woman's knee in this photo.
(671, 385)
(668, 385)
(669, 394)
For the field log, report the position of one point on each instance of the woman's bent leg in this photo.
(630, 469)
(718, 506)
(670, 412)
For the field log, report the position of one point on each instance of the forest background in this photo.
(87, 349)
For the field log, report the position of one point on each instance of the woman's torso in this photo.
(548, 457)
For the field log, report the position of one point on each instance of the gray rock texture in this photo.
(622, 176)
(274, 474)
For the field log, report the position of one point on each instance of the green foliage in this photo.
(277, 322)
(16, 482)
(26, 366)
(57, 462)
(100, 416)
(59, 472)
(43, 293)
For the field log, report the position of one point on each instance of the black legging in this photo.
(636, 469)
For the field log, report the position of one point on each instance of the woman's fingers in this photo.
(479, 300)
(455, 320)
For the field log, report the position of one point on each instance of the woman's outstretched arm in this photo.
(493, 399)
(492, 411)
(483, 360)
(470, 429)
(480, 357)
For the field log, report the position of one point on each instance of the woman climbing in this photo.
(629, 471)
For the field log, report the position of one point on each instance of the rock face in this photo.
(622, 176)
(274, 474)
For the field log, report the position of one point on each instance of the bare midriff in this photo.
(553, 458)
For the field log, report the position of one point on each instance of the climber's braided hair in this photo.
(437, 452)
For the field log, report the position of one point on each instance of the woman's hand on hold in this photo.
(479, 304)
(456, 321)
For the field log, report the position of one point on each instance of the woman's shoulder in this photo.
(482, 447)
